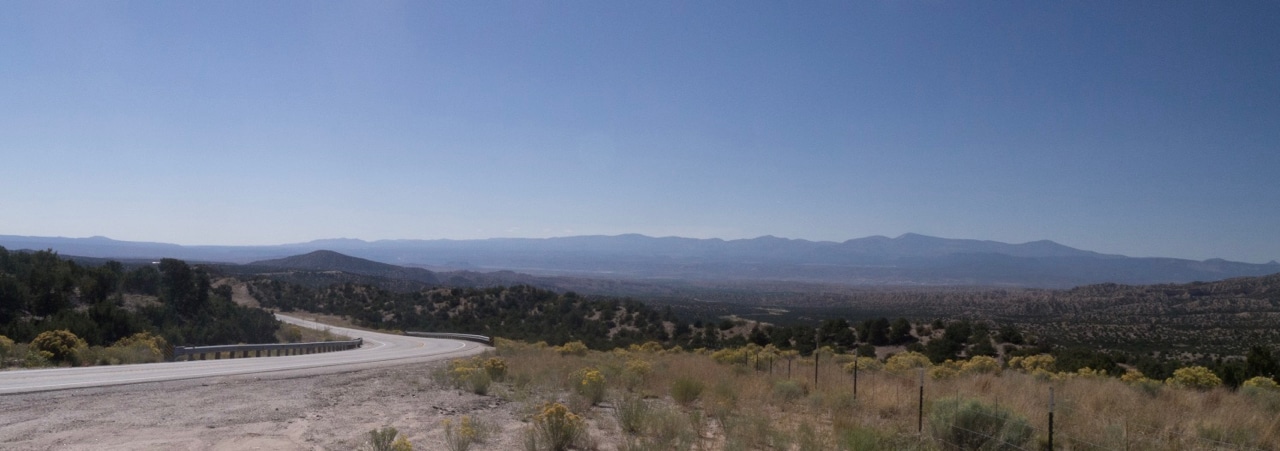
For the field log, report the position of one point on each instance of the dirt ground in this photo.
(287, 411)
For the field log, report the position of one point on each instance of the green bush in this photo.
(61, 345)
(632, 413)
(788, 390)
(686, 390)
(478, 382)
(967, 424)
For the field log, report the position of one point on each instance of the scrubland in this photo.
(648, 398)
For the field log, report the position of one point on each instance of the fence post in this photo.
(815, 369)
(1051, 418)
(920, 415)
(855, 377)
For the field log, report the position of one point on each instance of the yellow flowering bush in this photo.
(1090, 372)
(468, 431)
(61, 345)
(980, 365)
(635, 372)
(729, 355)
(469, 374)
(556, 428)
(649, 346)
(573, 348)
(496, 367)
(6, 348)
(591, 385)
(143, 347)
(906, 361)
(1030, 364)
(1194, 377)
(945, 370)
(864, 364)
(1261, 382)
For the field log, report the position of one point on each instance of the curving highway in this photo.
(379, 349)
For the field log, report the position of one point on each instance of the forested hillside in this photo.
(40, 291)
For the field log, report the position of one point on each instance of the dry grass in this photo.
(741, 408)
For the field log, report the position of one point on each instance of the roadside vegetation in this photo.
(54, 311)
(645, 397)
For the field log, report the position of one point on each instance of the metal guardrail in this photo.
(261, 350)
(468, 337)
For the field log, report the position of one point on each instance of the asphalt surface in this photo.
(379, 349)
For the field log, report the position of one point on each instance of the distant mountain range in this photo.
(909, 259)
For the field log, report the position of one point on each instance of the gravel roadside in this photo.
(296, 410)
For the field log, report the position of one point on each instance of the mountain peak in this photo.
(324, 260)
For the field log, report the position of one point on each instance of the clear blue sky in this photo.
(1142, 128)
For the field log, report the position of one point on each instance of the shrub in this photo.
(1194, 377)
(907, 361)
(401, 444)
(478, 382)
(6, 348)
(291, 334)
(468, 374)
(649, 346)
(142, 347)
(788, 390)
(686, 390)
(591, 385)
(634, 373)
(1087, 372)
(385, 440)
(469, 431)
(729, 356)
(859, 438)
(1261, 382)
(969, 424)
(1033, 363)
(981, 365)
(60, 344)
(496, 367)
(573, 348)
(555, 428)
(631, 413)
(945, 370)
(864, 364)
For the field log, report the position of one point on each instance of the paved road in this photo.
(379, 349)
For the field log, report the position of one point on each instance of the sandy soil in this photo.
(287, 411)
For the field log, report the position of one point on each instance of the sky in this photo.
(1138, 128)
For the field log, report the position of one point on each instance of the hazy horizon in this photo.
(1141, 129)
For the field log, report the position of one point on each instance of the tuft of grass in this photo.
(385, 439)
(632, 414)
(686, 390)
(468, 431)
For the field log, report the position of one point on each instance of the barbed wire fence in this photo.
(1046, 431)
